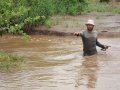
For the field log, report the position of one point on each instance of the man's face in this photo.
(90, 27)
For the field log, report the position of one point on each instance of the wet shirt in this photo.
(89, 42)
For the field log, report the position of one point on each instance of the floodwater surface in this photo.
(56, 63)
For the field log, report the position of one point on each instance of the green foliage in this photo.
(10, 16)
(8, 61)
(51, 22)
(41, 8)
(102, 7)
(71, 7)
(17, 14)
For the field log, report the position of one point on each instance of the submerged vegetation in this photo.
(10, 61)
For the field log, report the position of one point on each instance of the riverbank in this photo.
(107, 24)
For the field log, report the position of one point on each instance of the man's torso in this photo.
(89, 42)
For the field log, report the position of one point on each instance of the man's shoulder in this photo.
(94, 31)
(83, 31)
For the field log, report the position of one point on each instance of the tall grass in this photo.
(102, 7)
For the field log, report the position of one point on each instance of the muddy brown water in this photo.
(56, 63)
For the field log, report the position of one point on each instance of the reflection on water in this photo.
(56, 63)
(88, 72)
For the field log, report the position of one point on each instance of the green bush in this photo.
(71, 7)
(41, 8)
(17, 14)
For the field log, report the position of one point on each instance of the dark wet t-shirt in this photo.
(89, 42)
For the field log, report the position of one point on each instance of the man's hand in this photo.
(77, 34)
(105, 48)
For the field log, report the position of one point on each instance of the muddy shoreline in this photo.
(57, 33)
(107, 25)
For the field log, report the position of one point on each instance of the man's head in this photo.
(90, 25)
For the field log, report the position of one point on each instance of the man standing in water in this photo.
(89, 39)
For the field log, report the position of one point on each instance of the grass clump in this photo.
(10, 61)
